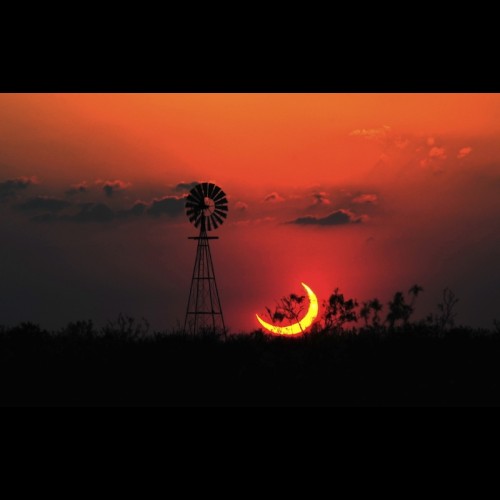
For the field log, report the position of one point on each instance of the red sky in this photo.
(412, 181)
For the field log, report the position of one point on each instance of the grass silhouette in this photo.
(407, 365)
(340, 362)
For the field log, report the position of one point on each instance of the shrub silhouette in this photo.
(339, 311)
(446, 308)
(399, 309)
(125, 328)
(365, 312)
(415, 291)
(289, 307)
(376, 307)
(371, 310)
(123, 363)
(496, 324)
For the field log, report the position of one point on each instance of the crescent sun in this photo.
(304, 323)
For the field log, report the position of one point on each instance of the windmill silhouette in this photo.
(207, 209)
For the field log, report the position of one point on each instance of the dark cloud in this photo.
(320, 199)
(89, 212)
(43, 203)
(172, 206)
(337, 218)
(79, 188)
(10, 187)
(92, 212)
(274, 197)
(184, 187)
(111, 187)
(138, 209)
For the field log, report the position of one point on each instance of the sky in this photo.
(370, 193)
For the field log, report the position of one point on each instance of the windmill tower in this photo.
(206, 208)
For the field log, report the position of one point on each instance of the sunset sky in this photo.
(370, 193)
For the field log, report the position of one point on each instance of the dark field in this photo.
(122, 365)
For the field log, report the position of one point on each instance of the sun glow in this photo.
(303, 324)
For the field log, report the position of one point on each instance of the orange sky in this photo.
(238, 136)
(419, 171)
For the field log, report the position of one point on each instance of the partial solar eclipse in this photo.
(303, 324)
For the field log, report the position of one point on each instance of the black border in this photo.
(349, 73)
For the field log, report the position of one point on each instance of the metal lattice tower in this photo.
(206, 208)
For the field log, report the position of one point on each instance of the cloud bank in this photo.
(337, 218)
(10, 187)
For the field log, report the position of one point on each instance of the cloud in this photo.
(464, 152)
(81, 187)
(320, 198)
(44, 203)
(184, 187)
(10, 187)
(371, 133)
(366, 199)
(239, 206)
(172, 206)
(274, 197)
(92, 212)
(89, 212)
(111, 187)
(437, 153)
(431, 141)
(337, 218)
(138, 209)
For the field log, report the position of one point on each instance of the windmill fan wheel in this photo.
(206, 206)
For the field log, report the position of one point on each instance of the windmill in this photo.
(206, 208)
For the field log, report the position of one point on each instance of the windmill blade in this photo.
(211, 190)
(219, 196)
(215, 191)
(194, 206)
(214, 221)
(210, 215)
(193, 198)
(199, 190)
(221, 214)
(217, 218)
(192, 211)
(194, 192)
(223, 201)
